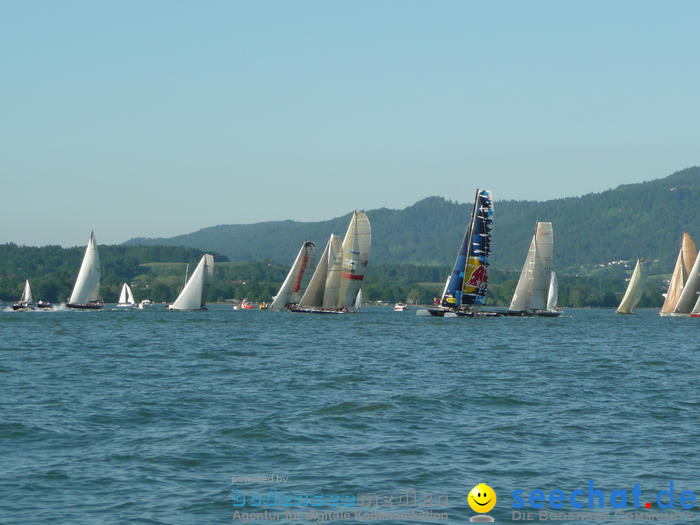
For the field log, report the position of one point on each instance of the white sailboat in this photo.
(87, 285)
(338, 276)
(633, 294)
(25, 302)
(532, 291)
(126, 297)
(291, 291)
(193, 296)
(682, 271)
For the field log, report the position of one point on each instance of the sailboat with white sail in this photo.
(358, 301)
(126, 297)
(633, 294)
(466, 286)
(535, 285)
(553, 293)
(193, 296)
(292, 288)
(335, 284)
(85, 295)
(25, 301)
(681, 273)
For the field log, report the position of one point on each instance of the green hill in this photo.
(645, 219)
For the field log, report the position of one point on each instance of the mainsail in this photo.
(292, 287)
(87, 285)
(355, 257)
(313, 296)
(689, 294)
(194, 294)
(467, 283)
(331, 289)
(126, 296)
(533, 286)
(26, 293)
(633, 294)
(684, 263)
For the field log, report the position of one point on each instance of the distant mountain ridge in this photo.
(633, 220)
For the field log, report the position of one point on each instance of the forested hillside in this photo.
(634, 220)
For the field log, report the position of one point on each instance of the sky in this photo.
(162, 117)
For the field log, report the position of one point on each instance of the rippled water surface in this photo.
(146, 416)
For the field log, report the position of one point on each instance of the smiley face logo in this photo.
(482, 498)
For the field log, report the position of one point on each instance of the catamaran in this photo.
(681, 273)
(335, 284)
(466, 286)
(25, 302)
(126, 297)
(292, 288)
(194, 295)
(87, 285)
(536, 292)
(633, 294)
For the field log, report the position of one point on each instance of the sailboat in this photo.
(126, 297)
(334, 286)
(292, 288)
(681, 273)
(633, 294)
(193, 296)
(25, 302)
(466, 285)
(534, 287)
(87, 285)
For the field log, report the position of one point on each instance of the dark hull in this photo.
(23, 306)
(298, 310)
(440, 312)
(86, 306)
(536, 313)
(43, 305)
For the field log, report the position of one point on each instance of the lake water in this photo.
(146, 416)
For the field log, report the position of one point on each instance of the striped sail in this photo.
(292, 288)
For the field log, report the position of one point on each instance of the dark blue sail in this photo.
(473, 257)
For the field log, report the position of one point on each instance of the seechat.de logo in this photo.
(482, 499)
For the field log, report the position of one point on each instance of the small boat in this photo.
(633, 294)
(684, 265)
(87, 285)
(126, 298)
(44, 304)
(536, 292)
(466, 286)
(25, 302)
(292, 288)
(194, 295)
(400, 307)
(144, 303)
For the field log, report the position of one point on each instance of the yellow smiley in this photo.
(482, 498)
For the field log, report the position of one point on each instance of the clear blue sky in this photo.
(157, 118)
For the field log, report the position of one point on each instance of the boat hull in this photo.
(536, 313)
(444, 312)
(85, 306)
(298, 310)
(23, 306)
